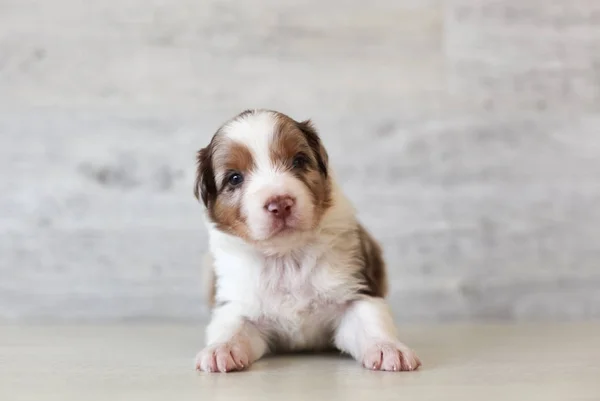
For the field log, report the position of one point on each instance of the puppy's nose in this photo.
(280, 206)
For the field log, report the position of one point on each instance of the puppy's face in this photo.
(264, 177)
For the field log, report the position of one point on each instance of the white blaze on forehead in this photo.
(255, 131)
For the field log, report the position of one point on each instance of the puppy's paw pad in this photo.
(390, 357)
(225, 357)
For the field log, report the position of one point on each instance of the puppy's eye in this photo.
(300, 161)
(235, 179)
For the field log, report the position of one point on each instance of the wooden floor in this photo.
(155, 362)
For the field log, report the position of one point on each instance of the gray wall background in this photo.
(466, 132)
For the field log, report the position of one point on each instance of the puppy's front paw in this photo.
(225, 357)
(391, 357)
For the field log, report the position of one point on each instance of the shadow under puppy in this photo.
(291, 267)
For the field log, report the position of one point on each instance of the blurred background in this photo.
(467, 133)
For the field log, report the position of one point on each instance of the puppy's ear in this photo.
(205, 187)
(310, 133)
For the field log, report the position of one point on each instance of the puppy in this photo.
(291, 267)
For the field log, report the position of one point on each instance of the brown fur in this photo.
(294, 137)
(223, 203)
(373, 272)
(288, 141)
(310, 133)
(226, 212)
(238, 158)
(205, 187)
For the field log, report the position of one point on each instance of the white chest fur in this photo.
(299, 301)
(296, 298)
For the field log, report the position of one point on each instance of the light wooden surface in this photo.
(154, 362)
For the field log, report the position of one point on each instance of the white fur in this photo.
(367, 332)
(293, 293)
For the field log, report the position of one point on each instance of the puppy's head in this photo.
(264, 177)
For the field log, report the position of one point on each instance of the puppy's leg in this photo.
(367, 332)
(232, 342)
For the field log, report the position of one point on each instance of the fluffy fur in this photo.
(290, 266)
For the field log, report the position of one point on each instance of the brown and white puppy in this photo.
(291, 267)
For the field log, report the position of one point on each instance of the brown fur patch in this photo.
(310, 133)
(223, 202)
(373, 272)
(226, 210)
(237, 157)
(287, 142)
(228, 156)
(293, 138)
(205, 187)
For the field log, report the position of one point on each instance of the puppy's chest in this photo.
(291, 289)
(299, 304)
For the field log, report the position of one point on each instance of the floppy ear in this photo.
(310, 133)
(205, 187)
